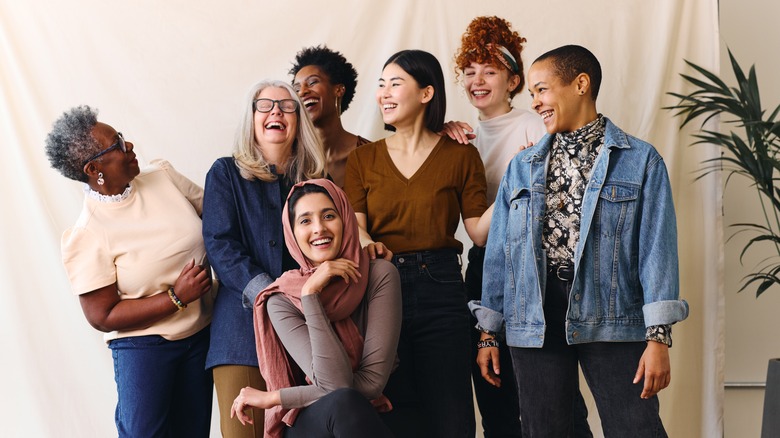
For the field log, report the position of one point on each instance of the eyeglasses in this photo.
(266, 105)
(120, 144)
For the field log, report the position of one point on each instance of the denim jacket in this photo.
(625, 263)
(242, 231)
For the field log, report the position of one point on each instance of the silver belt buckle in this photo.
(558, 272)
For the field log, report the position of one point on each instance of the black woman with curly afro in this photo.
(325, 81)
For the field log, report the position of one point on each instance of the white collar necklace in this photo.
(107, 198)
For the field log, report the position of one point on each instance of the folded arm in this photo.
(315, 347)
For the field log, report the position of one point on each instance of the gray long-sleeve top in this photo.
(315, 347)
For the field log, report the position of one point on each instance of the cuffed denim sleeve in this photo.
(489, 311)
(665, 312)
(488, 319)
(658, 262)
(253, 289)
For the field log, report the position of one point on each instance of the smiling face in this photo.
(318, 94)
(400, 98)
(563, 107)
(118, 168)
(275, 128)
(318, 228)
(488, 88)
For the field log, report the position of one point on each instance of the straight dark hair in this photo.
(426, 70)
(569, 61)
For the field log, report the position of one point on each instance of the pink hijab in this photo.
(339, 299)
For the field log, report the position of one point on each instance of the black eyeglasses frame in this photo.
(120, 144)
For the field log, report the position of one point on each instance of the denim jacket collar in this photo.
(614, 137)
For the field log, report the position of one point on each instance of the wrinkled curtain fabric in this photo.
(172, 77)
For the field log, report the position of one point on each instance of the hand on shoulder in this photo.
(461, 132)
(378, 249)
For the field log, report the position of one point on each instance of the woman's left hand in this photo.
(344, 268)
(253, 398)
(654, 367)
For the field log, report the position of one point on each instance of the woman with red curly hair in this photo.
(490, 68)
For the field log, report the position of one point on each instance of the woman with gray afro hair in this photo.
(131, 259)
(70, 142)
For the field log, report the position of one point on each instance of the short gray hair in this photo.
(308, 156)
(70, 143)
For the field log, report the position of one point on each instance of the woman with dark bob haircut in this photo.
(325, 81)
(136, 259)
(409, 192)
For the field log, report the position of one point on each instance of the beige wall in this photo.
(171, 76)
(749, 28)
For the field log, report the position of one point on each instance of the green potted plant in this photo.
(752, 152)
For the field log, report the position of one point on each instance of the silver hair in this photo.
(308, 156)
(70, 143)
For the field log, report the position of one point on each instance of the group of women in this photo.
(339, 312)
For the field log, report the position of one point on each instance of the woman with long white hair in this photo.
(276, 147)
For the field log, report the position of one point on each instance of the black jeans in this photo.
(342, 413)
(548, 379)
(498, 406)
(431, 389)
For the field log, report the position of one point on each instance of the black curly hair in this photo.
(334, 64)
(70, 142)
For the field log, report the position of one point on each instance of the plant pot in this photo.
(770, 427)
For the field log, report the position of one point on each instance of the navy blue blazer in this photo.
(242, 230)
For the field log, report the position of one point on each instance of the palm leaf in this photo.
(752, 153)
(762, 238)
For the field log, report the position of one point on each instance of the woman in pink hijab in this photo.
(338, 318)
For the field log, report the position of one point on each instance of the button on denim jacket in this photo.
(626, 273)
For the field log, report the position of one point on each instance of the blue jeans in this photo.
(163, 387)
(547, 379)
(343, 413)
(431, 389)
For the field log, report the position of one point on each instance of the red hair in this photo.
(480, 44)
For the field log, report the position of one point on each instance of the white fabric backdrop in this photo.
(171, 76)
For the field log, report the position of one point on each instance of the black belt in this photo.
(563, 271)
(425, 257)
